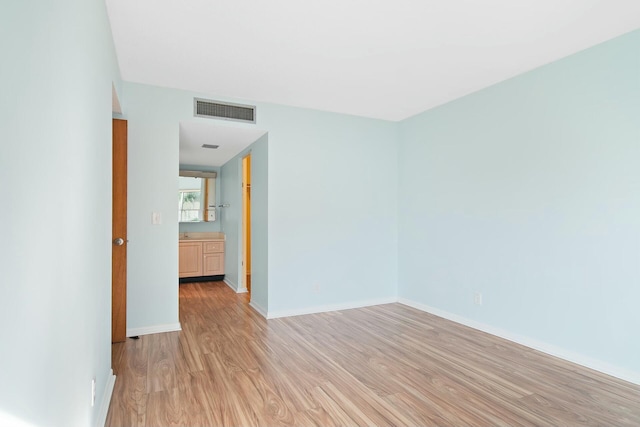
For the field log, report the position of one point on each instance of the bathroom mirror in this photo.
(196, 196)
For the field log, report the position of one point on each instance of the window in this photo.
(189, 205)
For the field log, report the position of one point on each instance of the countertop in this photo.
(196, 236)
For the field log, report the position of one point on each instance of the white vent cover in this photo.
(224, 110)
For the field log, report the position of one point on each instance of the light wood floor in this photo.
(385, 365)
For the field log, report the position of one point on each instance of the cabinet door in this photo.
(190, 259)
(213, 264)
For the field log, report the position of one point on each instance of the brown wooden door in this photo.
(119, 233)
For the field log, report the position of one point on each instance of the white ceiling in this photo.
(230, 140)
(372, 58)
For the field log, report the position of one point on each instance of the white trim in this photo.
(230, 284)
(259, 309)
(101, 418)
(235, 287)
(598, 365)
(331, 307)
(156, 329)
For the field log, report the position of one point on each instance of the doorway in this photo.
(246, 221)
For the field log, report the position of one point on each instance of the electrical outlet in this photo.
(477, 298)
(316, 288)
(93, 392)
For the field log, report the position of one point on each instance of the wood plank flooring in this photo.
(388, 365)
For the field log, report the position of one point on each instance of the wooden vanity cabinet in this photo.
(200, 258)
(213, 258)
(190, 259)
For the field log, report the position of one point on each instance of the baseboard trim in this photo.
(259, 309)
(231, 284)
(156, 329)
(106, 400)
(330, 307)
(597, 365)
(235, 287)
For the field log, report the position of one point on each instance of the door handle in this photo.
(119, 241)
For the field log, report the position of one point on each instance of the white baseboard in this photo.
(235, 287)
(231, 284)
(597, 365)
(259, 309)
(103, 411)
(330, 307)
(156, 329)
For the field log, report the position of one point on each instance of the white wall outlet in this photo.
(316, 288)
(93, 392)
(477, 298)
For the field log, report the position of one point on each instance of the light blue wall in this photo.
(55, 298)
(331, 207)
(231, 219)
(529, 192)
(260, 233)
(152, 252)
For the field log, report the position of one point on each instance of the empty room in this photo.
(409, 213)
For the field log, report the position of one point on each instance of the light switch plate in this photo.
(156, 218)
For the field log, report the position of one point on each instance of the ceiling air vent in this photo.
(224, 110)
